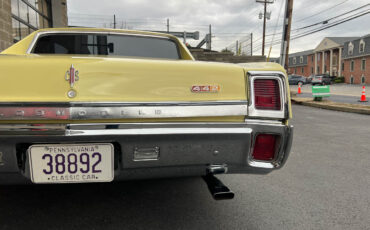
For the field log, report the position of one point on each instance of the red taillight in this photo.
(264, 147)
(267, 94)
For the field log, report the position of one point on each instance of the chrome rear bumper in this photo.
(151, 150)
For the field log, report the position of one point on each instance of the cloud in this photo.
(230, 19)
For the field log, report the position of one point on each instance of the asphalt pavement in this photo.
(324, 185)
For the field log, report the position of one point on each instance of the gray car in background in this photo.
(296, 80)
(321, 80)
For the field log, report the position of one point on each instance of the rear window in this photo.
(111, 45)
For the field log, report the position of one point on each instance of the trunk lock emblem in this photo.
(71, 76)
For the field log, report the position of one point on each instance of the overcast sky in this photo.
(231, 20)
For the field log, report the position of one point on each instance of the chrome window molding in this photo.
(275, 114)
(40, 34)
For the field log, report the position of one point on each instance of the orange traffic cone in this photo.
(363, 95)
(299, 89)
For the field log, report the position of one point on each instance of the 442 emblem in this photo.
(205, 88)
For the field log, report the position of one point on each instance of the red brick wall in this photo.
(298, 69)
(357, 72)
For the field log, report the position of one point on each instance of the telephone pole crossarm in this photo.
(265, 2)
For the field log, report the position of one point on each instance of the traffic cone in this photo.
(363, 95)
(299, 89)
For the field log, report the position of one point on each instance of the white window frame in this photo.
(362, 42)
(363, 67)
(350, 48)
(352, 66)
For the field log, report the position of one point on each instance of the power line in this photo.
(325, 27)
(322, 11)
(322, 22)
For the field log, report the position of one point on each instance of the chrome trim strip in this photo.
(85, 113)
(159, 131)
(39, 34)
(32, 129)
(104, 111)
(124, 103)
(157, 128)
(262, 122)
(277, 114)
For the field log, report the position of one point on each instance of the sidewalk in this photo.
(327, 104)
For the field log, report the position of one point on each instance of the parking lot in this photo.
(324, 185)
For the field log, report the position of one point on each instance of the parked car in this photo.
(97, 105)
(321, 80)
(309, 79)
(296, 80)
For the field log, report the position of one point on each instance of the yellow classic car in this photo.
(95, 105)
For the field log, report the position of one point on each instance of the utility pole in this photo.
(284, 52)
(114, 21)
(251, 44)
(265, 2)
(210, 37)
(168, 25)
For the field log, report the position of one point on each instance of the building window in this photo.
(294, 61)
(312, 58)
(352, 80)
(324, 68)
(295, 70)
(363, 79)
(350, 48)
(335, 60)
(318, 56)
(311, 70)
(362, 46)
(301, 59)
(342, 66)
(363, 64)
(28, 16)
(352, 66)
(325, 56)
(302, 70)
(318, 69)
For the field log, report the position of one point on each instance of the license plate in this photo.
(71, 163)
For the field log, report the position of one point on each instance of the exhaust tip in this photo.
(223, 195)
(218, 190)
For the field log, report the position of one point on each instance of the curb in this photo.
(342, 107)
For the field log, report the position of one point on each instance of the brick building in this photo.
(299, 63)
(356, 61)
(18, 18)
(328, 55)
(336, 56)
